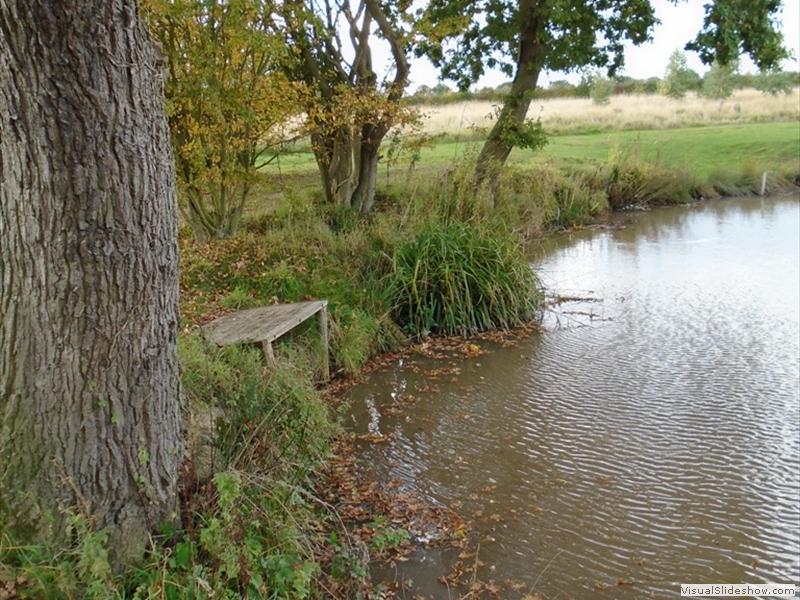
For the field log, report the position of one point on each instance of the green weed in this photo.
(455, 278)
(387, 536)
(631, 181)
(544, 197)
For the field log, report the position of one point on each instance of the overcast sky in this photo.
(679, 24)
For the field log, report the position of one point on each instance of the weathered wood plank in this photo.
(269, 353)
(265, 324)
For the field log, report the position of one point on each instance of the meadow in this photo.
(726, 142)
(624, 112)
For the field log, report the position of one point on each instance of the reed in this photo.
(455, 278)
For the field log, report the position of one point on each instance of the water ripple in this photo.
(651, 437)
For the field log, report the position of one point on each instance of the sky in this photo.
(679, 24)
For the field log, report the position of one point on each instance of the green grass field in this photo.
(772, 146)
(702, 149)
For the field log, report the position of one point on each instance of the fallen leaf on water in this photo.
(374, 438)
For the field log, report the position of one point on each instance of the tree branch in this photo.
(390, 33)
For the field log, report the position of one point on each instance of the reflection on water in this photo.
(650, 437)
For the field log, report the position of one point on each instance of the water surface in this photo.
(649, 437)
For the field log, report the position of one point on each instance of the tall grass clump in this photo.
(747, 178)
(455, 278)
(276, 406)
(631, 181)
(544, 197)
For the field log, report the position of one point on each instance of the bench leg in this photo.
(323, 330)
(266, 346)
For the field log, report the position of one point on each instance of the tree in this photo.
(89, 381)
(719, 82)
(465, 38)
(349, 109)
(773, 82)
(600, 88)
(679, 78)
(524, 37)
(225, 99)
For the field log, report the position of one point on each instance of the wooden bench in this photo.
(266, 324)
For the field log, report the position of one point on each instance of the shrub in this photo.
(455, 278)
(602, 89)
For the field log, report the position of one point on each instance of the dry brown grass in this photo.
(569, 115)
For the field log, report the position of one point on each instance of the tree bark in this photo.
(89, 381)
(364, 194)
(497, 147)
(336, 153)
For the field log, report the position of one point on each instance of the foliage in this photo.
(225, 102)
(386, 535)
(602, 88)
(275, 430)
(629, 181)
(731, 28)
(457, 278)
(82, 570)
(464, 39)
(679, 78)
(528, 133)
(719, 82)
(774, 82)
(279, 403)
(488, 34)
(543, 197)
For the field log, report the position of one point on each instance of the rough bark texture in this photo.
(336, 155)
(364, 194)
(497, 147)
(89, 381)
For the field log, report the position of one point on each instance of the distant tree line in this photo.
(677, 81)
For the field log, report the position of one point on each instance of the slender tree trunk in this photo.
(336, 159)
(349, 170)
(498, 145)
(364, 194)
(347, 153)
(89, 381)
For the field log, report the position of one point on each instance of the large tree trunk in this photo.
(89, 381)
(499, 144)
